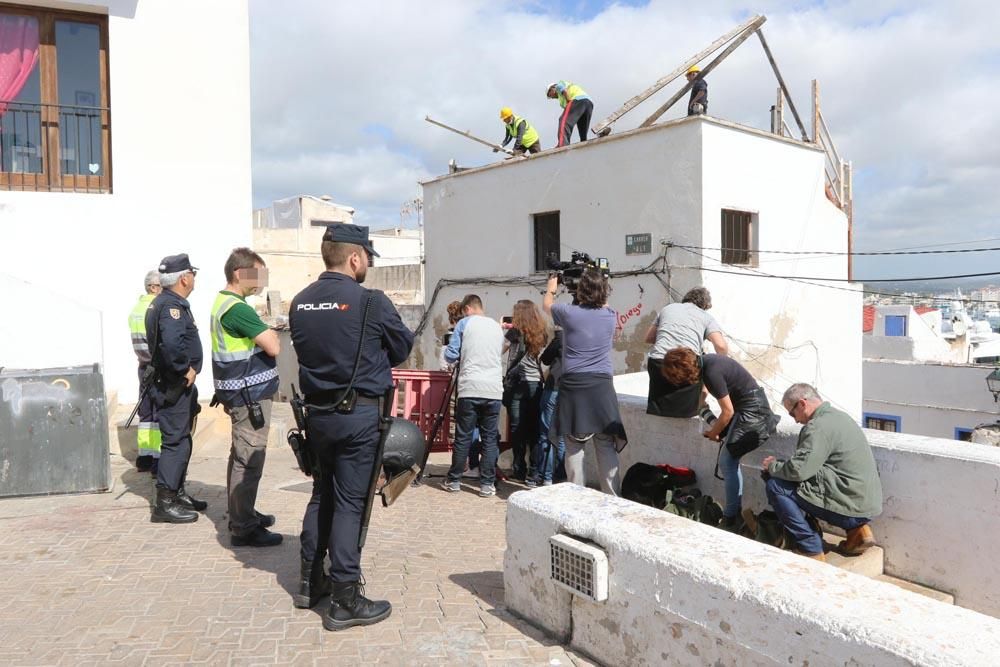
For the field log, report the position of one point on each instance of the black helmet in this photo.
(404, 447)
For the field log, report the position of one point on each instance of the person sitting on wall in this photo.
(832, 476)
(685, 324)
(746, 420)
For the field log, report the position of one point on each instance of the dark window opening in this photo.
(546, 238)
(737, 237)
(883, 423)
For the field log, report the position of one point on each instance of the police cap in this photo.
(176, 264)
(340, 232)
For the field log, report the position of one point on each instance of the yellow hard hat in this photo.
(506, 113)
(694, 69)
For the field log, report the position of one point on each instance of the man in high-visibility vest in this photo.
(244, 368)
(577, 109)
(149, 431)
(524, 135)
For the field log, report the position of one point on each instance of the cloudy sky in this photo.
(910, 91)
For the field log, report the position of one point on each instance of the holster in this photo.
(297, 438)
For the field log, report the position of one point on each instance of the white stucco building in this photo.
(699, 182)
(146, 154)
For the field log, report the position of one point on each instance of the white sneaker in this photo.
(471, 473)
(451, 487)
(487, 491)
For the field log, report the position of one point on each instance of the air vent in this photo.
(579, 567)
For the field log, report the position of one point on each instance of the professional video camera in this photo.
(570, 272)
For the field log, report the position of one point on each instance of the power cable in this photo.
(831, 253)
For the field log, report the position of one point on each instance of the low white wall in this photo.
(682, 593)
(941, 520)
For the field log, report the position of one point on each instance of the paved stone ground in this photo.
(88, 580)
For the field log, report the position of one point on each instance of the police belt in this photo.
(327, 399)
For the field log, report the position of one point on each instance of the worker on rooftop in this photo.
(698, 103)
(577, 109)
(524, 135)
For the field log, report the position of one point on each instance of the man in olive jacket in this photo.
(832, 476)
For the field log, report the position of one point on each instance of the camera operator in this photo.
(587, 410)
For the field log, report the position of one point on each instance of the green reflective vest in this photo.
(137, 328)
(571, 92)
(238, 366)
(530, 134)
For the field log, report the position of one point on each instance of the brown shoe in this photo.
(821, 557)
(858, 541)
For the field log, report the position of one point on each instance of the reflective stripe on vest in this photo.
(530, 134)
(137, 327)
(238, 363)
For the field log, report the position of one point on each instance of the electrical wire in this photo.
(833, 253)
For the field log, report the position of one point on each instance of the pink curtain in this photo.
(18, 54)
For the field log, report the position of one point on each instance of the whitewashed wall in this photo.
(931, 399)
(180, 139)
(941, 520)
(670, 181)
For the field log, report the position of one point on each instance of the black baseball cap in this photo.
(341, 232)
(176, 264)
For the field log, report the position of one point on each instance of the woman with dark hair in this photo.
(587, 408)
(523, 382)
(746, 420)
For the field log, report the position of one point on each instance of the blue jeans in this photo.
(792, 510)
(730, 469)
(547, 458)
(470, 413)
(523, 413)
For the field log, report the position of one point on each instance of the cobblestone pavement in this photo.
(88, 580)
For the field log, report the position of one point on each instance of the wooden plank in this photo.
(754, 27)
(815, 119)
(469, 135)
(780, 106)
(781, 82)
(604, 127)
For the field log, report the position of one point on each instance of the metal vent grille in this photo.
(579, 567)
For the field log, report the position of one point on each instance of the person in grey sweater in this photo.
(832, 476)
(478, 342)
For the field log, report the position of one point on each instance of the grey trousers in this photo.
(607, 461)
(246, 465)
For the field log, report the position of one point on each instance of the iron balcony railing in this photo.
(54, 147)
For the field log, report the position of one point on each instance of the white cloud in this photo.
(910, 90)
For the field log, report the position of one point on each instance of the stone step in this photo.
(932, 593)
(868, 564)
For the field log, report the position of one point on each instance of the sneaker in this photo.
(471, 473)
(486, 491)
(531, 482)
(451, 487)
(547, 482)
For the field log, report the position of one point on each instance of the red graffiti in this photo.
(624, 317)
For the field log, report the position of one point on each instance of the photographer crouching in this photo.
(587, 408)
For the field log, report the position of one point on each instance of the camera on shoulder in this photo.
(569, 272)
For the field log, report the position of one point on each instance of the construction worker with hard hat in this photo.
(577, 109)
(698, 103)
(525, 136)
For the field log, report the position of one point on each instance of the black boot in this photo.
(168, 510)
(350, 607)
(184, 500)
(312, 586)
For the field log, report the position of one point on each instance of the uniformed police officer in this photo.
(176, 354)
(326, 324)
(148, 438)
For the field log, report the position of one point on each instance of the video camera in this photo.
(570, 272)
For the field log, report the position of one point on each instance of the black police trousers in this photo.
(345, 447)
(175, 436)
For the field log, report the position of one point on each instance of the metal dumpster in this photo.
(53, 431)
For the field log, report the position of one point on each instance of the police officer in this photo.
(176, 355)
(326, 324)
(148, 438)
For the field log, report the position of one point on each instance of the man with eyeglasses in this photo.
(176, 355)
(832, 476)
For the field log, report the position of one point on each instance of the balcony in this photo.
(55, 148)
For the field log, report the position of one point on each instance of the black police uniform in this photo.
(326, 320)
(178, 348)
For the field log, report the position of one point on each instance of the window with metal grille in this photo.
(546, 238)
(55, 121)
(738, 237)
(889, 423)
